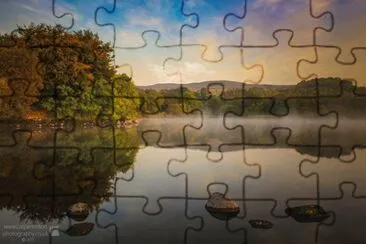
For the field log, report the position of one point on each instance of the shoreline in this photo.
(138, 120)
(66, 123)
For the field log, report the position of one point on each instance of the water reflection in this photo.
(145, 174)
(39, 177)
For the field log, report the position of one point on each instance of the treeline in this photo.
(49, 72)
(64, 74)
(316, 96)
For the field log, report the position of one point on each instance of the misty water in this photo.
(152, 182)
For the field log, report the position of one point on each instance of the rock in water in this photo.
(78, 211)
(260, 224)
(307, 213)
(80, 229)
(221, 207)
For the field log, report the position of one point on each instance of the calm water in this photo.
(145, 186)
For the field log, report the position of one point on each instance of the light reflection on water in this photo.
(267, 174)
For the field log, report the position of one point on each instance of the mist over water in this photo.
(263, 130)
(172, 160)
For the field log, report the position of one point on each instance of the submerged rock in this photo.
(222, 207)
(260, 224)
(78, 211)
(80, 229)
(307, 213)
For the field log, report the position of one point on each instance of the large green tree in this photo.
(126, 98)
(62, 70)
(20, 83)
(71, 71)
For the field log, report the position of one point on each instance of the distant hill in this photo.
(229, 85)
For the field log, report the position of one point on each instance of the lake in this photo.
(151, 183)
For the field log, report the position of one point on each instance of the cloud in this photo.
(196, 68)
(145, 21)
(140, 17)
(158, 75)
(30, 8)
(269, 4)
(127, 37)
(322, 5)
(162, 15)
(188, 70)
(157, 70)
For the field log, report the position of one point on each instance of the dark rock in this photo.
(80, 229)
(307, 213)
(224, 216)
(78, 211)
(222, 207)
(260, 224)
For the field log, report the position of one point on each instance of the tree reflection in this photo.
(41, 182)
(45, 182)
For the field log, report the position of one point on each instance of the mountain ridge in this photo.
(228, 85)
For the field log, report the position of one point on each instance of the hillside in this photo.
(229, 85)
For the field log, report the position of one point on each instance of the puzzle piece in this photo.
(131, 63)
(347, 118)
(274, 184)
(259, 130)
(149, 170)
(208, 133)
(345, 34)
(90, 165)
(349, 214)
(18, 63)
(14, 101)
(72, 230)
(349, 88)
(82, 141)
(132, 221)
(261, 18)
(325, 65)
(141, 67)
(128, 19)
(23, 155)
(170, 130)
(348, 136)
(231, 171)
(284, 230)
(212, 230)
(20, 85)
(279, 61)
(341, 170)
(84, 179)
(67, 14)
(122, 99)
(210, 31)
(190, 66)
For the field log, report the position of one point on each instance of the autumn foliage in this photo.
(48, 67)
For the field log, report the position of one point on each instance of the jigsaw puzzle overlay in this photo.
(185, 121)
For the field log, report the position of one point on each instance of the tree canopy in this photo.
(71, 74)
(51, 68)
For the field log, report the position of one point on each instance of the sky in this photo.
(183, 41)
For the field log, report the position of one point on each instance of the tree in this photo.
(126, 98)
(70, 74)
(63, 66)
(20, 83)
